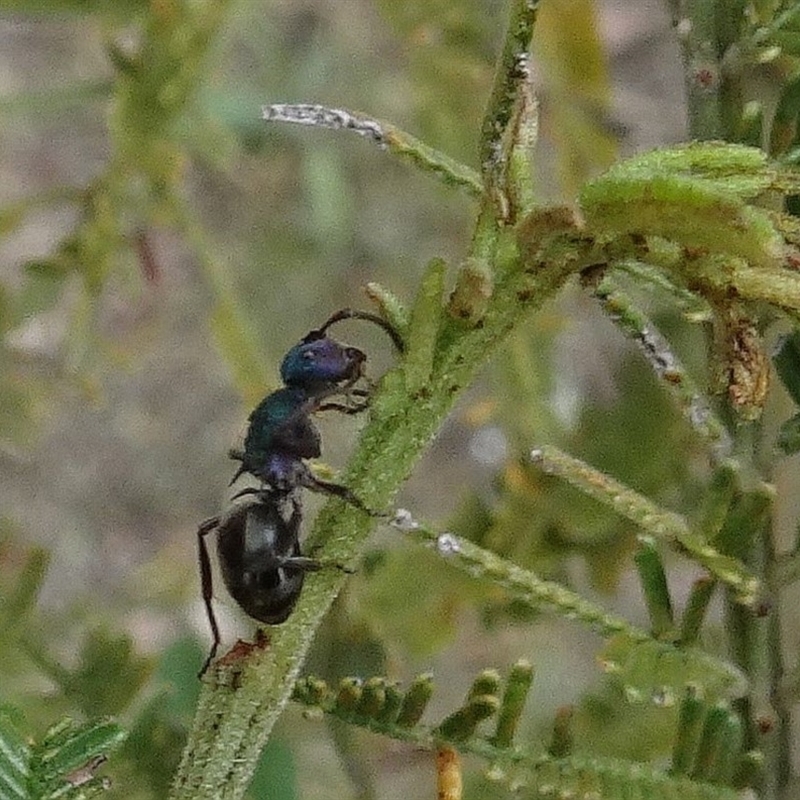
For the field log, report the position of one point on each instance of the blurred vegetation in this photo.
(162, 248)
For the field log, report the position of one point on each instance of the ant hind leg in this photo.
(207, 587)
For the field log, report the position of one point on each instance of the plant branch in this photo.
(661, 524)
(384, 134)
(513, 69)
(558, 771)
(521, 583)
(666, 365)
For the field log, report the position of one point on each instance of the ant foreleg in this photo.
(355, 409)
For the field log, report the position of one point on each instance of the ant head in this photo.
(319, 363)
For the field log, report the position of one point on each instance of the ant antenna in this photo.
(350, 313)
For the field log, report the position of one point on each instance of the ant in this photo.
(258, 541)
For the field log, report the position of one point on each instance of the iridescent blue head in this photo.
(321, 363)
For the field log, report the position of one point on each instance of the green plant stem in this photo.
(754, 634)
(509, 126)
(751, 638)
(512, 69)
(755, 642)
(695, 23)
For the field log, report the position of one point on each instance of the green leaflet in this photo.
(694, 612)
(692, 211)
(720, 746)
(516, 692)
(690, 730)
(14, 762)
(653, 578)
(658, 671)
(423, 331)
(743, 171)
(609, 779)
(694, 195)
(391, 308)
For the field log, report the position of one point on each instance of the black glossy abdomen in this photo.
(252, 546)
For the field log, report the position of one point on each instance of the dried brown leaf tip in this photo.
(744, 367)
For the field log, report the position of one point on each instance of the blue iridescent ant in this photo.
(258, 544)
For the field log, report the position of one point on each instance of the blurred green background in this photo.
(136, 338)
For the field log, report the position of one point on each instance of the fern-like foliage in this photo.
(707, 758)
(613, 779)
(61, 766)
(649, 668)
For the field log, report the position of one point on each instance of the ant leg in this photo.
(207, 587)
(306, 563)
(302, 564)
(355, 409)
(309, 406)
(337, 490)
(237, 455)
(328, 564)
(248, 490)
